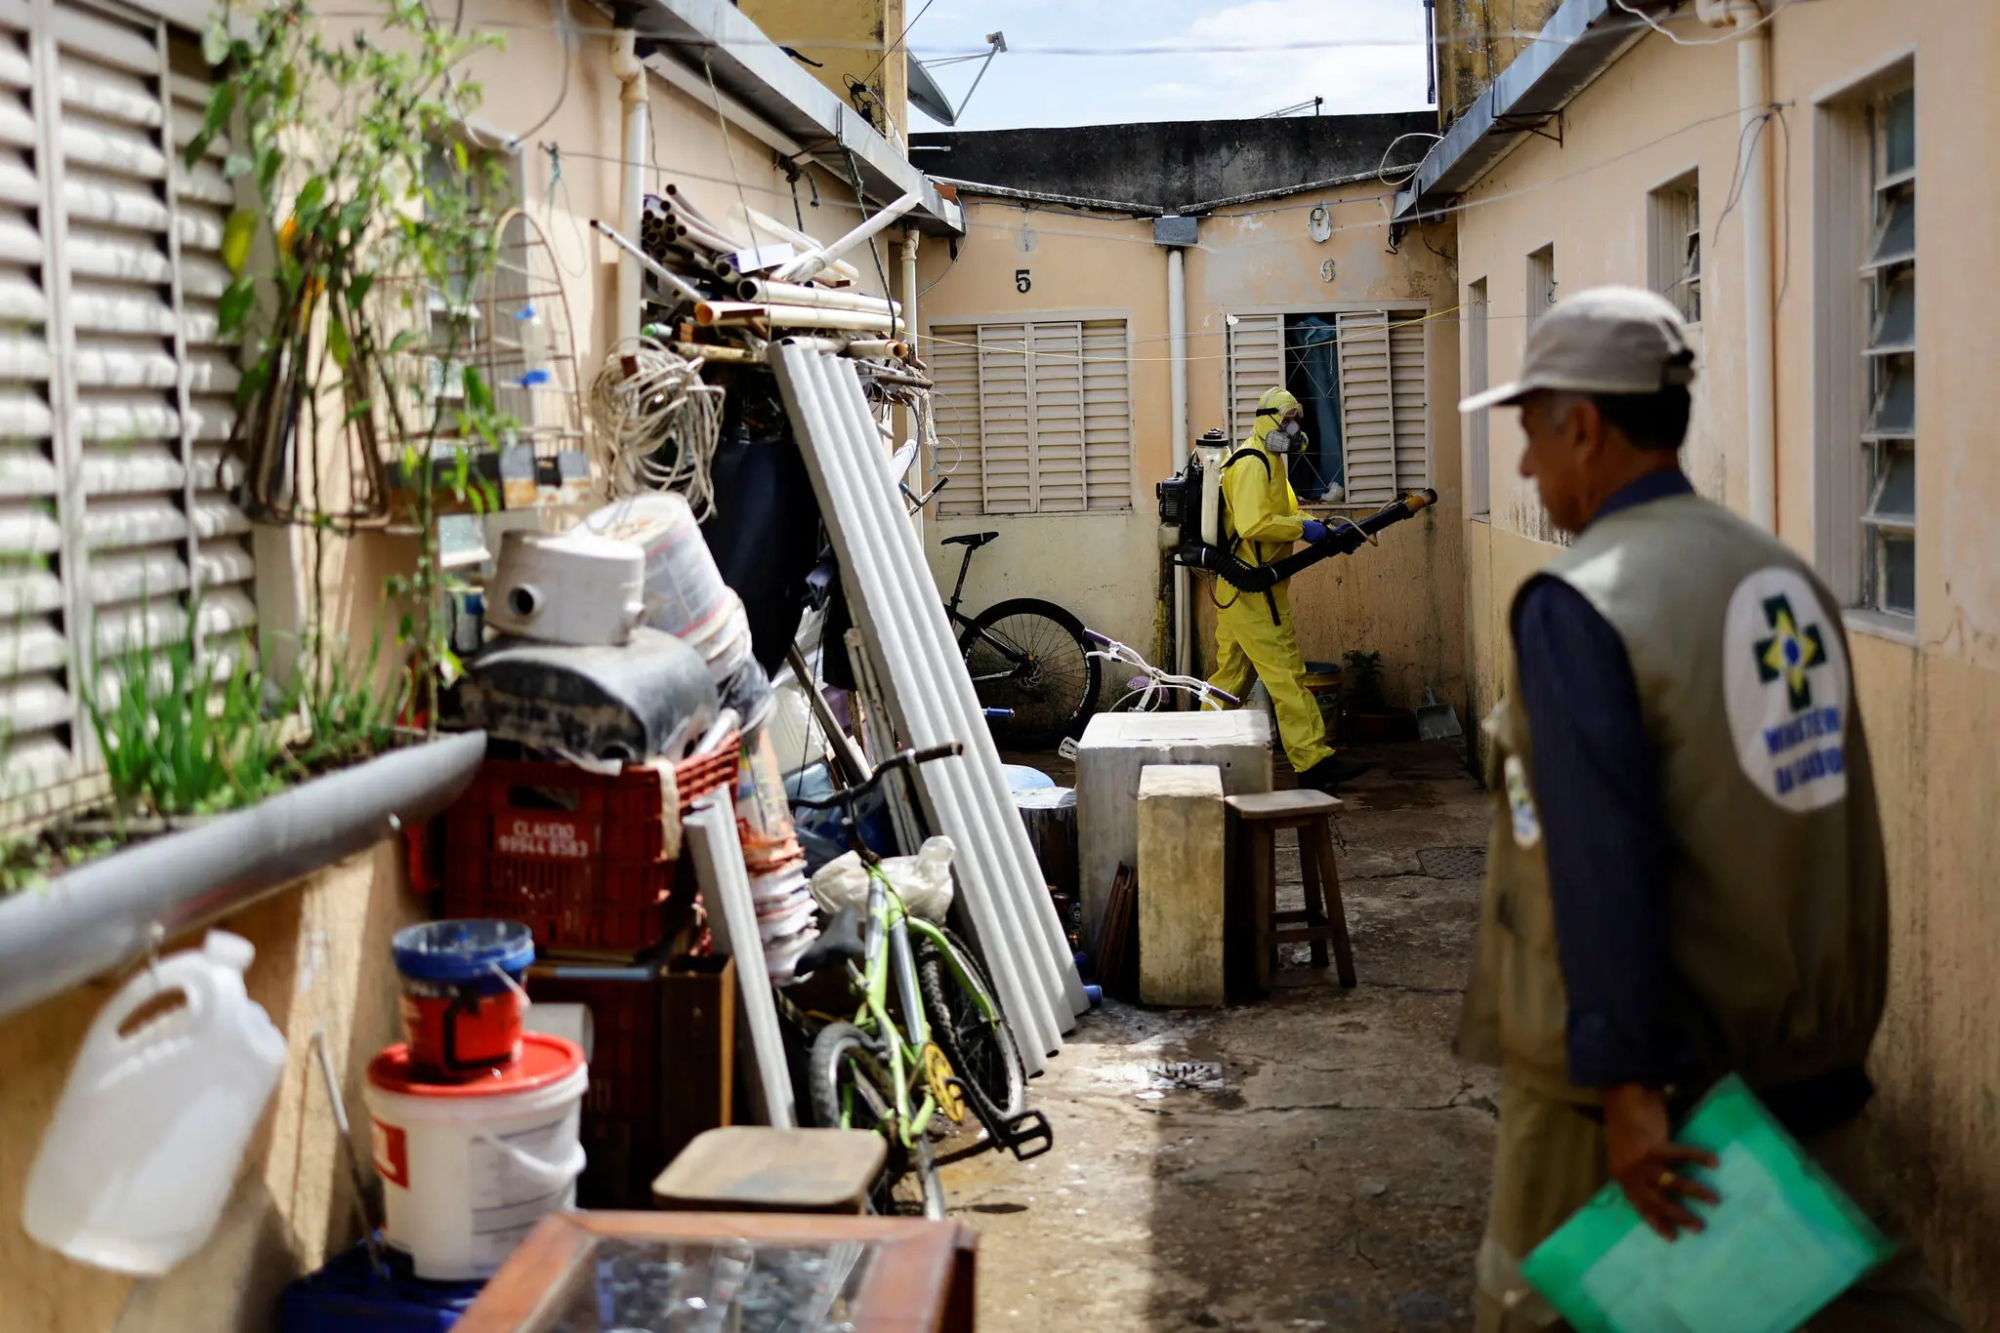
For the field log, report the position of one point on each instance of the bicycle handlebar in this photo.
(903, 760)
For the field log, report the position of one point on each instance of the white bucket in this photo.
(468, 1169)
(684, 590)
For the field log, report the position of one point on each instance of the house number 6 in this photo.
(1022, 282)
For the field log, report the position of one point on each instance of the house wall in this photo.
(1929, 694)
(1403, 598)
(323, 947)
(847, 39)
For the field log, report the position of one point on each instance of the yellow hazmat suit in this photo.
(1253, 632)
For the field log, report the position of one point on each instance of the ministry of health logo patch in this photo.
(1787, 686)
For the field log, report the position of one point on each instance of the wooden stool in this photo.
(749, 1169)
(1256, 820)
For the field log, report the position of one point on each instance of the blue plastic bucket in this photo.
(462, 995)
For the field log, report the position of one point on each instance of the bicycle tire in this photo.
(983, 1054)
(843, 1060)
(1058, 694)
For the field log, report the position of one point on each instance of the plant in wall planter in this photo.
(1365, 710)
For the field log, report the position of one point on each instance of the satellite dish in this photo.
(928, 97)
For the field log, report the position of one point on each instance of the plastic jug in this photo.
(135, 1167)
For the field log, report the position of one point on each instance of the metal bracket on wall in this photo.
(1532, 124)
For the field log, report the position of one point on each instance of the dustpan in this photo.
(1436, 721)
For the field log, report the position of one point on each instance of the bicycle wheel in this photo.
(850, 1090)
(1030, 657)
(982, 1050)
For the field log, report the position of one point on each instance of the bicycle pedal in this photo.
(1029, 1135)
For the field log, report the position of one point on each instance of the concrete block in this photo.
(1181, 871)
(1116, 746)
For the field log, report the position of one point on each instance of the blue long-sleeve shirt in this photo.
(1598, 791)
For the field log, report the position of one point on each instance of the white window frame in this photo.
(960, 434)
(1540, 291)
(1478, 425)
(1401, 314)
(1847, 183)
(1674, 243)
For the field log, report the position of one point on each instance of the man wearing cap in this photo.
(1686, 876)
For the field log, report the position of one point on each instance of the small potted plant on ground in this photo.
(1366, 713)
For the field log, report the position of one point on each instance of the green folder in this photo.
(1784, 1241)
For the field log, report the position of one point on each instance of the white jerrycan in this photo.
(135, 1167)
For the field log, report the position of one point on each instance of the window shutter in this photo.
(1107, 419)
(1006, 449)
(1256, 363)
(954, 361)
(1384, 403)
(1055, 416)
(115, 494)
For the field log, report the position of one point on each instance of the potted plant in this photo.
(1365, 711)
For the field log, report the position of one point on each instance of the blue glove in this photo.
(1315, 531)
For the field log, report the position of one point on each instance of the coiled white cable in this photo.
(663, 405)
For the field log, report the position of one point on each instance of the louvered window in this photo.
(1384, 393)
(1034, 418)
(115, 390)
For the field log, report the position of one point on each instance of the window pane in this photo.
(1896, 402)
(1896, 233)
(1895, 486)
(1899, 574)
(1896, 318)
(1899, 129)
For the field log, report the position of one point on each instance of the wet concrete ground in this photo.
(1336, 1180)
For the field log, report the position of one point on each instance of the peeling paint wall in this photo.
(847, 40)
(1403, 598)
(1930, 698)
(1477, 39)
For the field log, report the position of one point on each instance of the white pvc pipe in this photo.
(1177, 373)
(726, 313)
(1047, 945)
(907, 311)
(806, 265)
(631, 212)
(840, 454)
(1753, 95)
(825, 298)
(767, 230)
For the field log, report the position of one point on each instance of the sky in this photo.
(1360, 55)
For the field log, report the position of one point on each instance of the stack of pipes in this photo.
(726, 297)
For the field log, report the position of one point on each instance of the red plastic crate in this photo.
(580, 859)
(623, 1129)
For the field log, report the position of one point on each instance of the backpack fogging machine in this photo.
(1191, 521)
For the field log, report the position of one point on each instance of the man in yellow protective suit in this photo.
(1253, 631)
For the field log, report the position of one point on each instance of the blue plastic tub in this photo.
(346, 1296)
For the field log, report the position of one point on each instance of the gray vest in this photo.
(1779, 914)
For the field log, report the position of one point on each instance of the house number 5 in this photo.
(1022, 282)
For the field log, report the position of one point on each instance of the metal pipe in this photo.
(885, 611)
(773, 292)
(1028, 907)
(728, 313)
(641, 259)
(718, 353)
(106, 914)
(632, 206)
(911, 238)
(879, 347)
(1177, 377)
(1753, 97)
(806, 265)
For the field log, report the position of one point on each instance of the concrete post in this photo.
(1181, 878)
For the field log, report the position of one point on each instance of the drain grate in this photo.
(1453, 862)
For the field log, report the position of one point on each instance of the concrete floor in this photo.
(1337, 1179)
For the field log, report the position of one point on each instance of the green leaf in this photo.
(235, 305)
(215, 42)
(459, 155)
(310, 196)
(253, 382)
(477, 395)
(402, 342)
(358, 288)
(337, 344)
(269, 161)
(237, 234)
(221, 105)
(358, 411)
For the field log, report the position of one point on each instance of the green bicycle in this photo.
(951, 1050)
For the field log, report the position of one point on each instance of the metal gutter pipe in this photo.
(1753, 97)
(1177, 374)
(631, 206)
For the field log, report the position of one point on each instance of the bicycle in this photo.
(1148, 691)
(953, 1048)
(1026, 656)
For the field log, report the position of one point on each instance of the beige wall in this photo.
(1403, 599)
(849, 39)
(1929, 696)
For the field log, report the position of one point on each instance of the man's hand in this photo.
(1315, 531)
(1647, 1163)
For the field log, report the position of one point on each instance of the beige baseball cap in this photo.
(1605, 340)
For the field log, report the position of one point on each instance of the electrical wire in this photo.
(661, 408)
(565, 39)
(1382, 167)
(899, 41)
(1731, 36)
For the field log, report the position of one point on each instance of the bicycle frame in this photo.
(1157, 680)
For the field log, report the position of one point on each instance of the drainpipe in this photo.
(911, 236)
(632, 101)
(1753, 96)
(1177, 373)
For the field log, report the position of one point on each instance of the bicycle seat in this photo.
(839, 942)
(973, 539)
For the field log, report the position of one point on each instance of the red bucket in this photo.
(462, 995)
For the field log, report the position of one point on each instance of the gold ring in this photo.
(1666, 1178)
